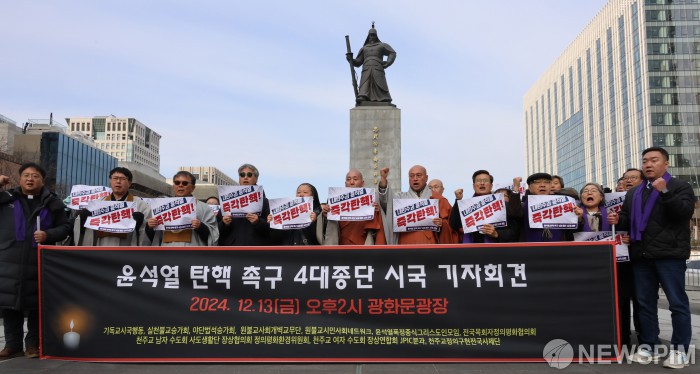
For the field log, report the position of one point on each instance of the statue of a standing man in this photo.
(373, 86)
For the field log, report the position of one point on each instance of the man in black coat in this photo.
(250, 230)
(657, 215)
(29, 214)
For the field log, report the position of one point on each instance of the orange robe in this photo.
(355, 232)
(446, 235)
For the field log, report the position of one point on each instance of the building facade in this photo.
(8, 130)
(629, 81)
(126, 139)
(67, 160)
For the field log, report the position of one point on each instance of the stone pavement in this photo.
(24, 365)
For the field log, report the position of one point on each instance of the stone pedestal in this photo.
(375, 143)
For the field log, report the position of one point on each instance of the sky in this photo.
(266, 82)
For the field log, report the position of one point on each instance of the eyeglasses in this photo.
(248, 174)
(183, 183)
(542, 181)
(482, 180)
(119, 178)
(632, 178)
(590, 190)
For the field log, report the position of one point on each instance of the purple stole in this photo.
(604, 226)
(640, 216)
(21, 222)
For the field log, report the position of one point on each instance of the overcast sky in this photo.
(267, 83)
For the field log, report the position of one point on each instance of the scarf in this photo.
(640, 215)
(21, 221)
(605, 226)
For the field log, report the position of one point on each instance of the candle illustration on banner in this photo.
(71, 339)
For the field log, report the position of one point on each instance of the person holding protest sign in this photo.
(595, 219)
(539, 184)
(418, 181)
(303, 236)
(483, 183)
(249, 230)
(30, 214)
(363, 232)
(203, 231)
(120, 179)
(657, 215)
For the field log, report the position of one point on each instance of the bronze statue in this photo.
(373, 87)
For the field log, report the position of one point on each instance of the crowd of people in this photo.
(656, 213)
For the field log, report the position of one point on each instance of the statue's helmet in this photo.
(372, 34)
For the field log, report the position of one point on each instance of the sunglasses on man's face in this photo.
(248, 174)
(183, 183)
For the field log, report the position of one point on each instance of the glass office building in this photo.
(69, 162)
(629, 81)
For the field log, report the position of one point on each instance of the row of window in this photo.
(675, 119)
(674, 65)
(665, 2)
(673, 81)
(678, 48)
(675, 140)
(672, 31)
(673, 15)
(674, 98)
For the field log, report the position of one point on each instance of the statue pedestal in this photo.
(375, 143)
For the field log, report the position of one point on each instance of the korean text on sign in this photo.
(350, 204)
(81, 195)
(237, 201)
(621, 249)
(291, 212)
(552, 211)
(415, 214)
(111, 216)
(174, 213)
(478, 211)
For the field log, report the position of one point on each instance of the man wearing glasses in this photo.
(633, 178)
(483, 184)
(204, 231)
(249, 230)
(120, 179)
(541, 184)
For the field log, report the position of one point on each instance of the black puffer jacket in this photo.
(667, 235)
(18, 259)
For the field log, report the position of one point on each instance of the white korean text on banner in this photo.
(237, 201)
(614, 200)
(415, 214)
(111, 216)
(291, 212)
(478, 211)
(173, 213)
(427, 303)
(621, 249)
(350, 204)
(81, 195)
(551, 212)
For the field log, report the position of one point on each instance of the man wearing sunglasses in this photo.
(249, 230)
(204, 231)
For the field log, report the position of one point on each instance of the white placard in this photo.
(477, 211)
(173, 213)
(81, 195)
(551, 212)
(415, 214)
(237, 201)
(111, 216)
(350, 204)
(614, 200)
(621, 250)
(291, 212)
